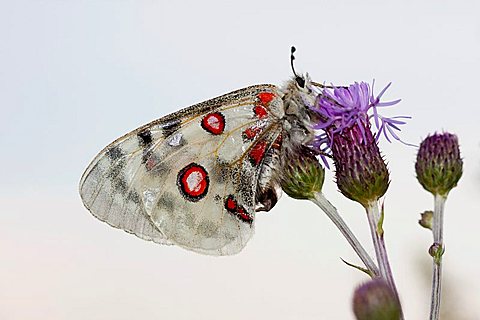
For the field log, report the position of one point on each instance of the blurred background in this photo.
(75, 75)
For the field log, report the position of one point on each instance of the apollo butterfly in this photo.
(197, 177)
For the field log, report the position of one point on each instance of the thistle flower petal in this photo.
(343, 107)
(387, 104)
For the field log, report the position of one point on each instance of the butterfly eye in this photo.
(300, 81)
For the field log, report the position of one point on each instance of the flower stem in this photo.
(437, 251)
(375, 221)
(334, 216)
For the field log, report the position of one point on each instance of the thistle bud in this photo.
(426, 219)
(302, 174)
(361, 172)
(375, 300)
(439, 166)
(436, 251)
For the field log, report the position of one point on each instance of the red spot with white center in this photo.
(193, 182)
(214, 123)
(239, 211)
(257, 152)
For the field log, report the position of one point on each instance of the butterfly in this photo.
(197, 177)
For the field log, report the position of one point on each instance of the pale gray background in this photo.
(74, 75)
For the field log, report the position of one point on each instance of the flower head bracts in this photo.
(375, 300)
(439, 166)
(340, 108)
(360, 170)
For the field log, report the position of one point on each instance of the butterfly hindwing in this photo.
(189, 178)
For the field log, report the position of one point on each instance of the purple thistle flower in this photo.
(341, 108)
(343, 120)
(439, 165)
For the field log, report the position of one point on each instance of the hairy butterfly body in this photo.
(197, 177)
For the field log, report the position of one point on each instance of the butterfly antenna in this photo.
(300, 80)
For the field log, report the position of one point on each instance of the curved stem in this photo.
(337, 220)
(437, 252)
(375, 221)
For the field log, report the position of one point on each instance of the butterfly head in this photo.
(298, 89)
(300, 80)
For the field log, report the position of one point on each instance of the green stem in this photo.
(337, 220)
(375, 221)
(437, 252)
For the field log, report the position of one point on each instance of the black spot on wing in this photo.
(114, 153)
(134, 197)
(147, 155)
(115, 169)
(120, 184)
(166, 202)
(145, 137)
(222, 171)
(170, 127)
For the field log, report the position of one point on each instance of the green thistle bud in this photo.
(302, 174)
(436, 251)
(439, 166)
(361, 172)
(426, 220)
(375, 300)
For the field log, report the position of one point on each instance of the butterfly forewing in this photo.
(189, 178)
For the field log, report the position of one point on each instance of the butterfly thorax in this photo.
(296, 133)
(297, 122)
